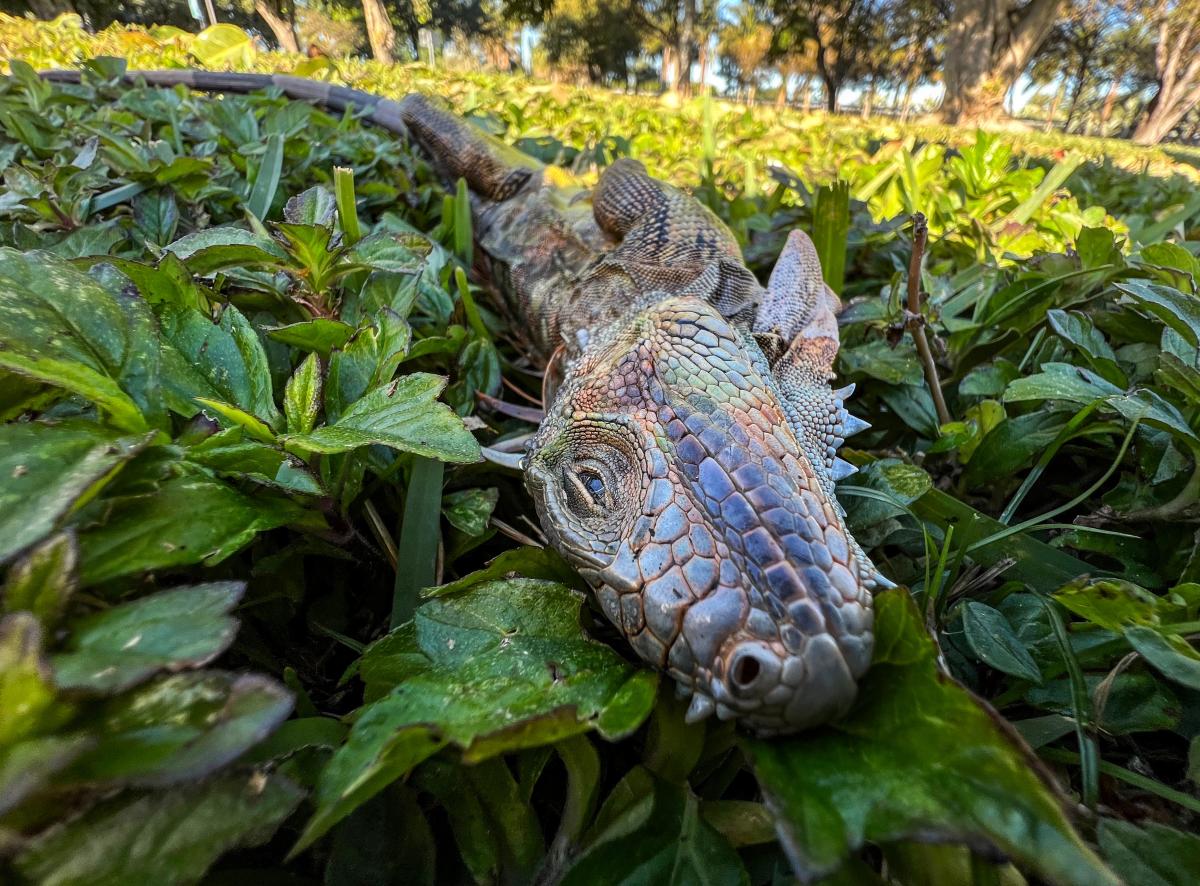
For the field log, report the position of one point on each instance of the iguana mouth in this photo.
(671, 476)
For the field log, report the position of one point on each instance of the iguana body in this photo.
(686, 463)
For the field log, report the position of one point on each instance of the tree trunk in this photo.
(781, 97)
(1178, 90)
(683, 48)
(907, 104)
(280, 26)
(50, 9)
(831, 94)
(380, 33)
(1058, 97)
(1162, 117)
(868, 99)
(667, 74)
(1110, 101)
(703, 53)
(1080, 76)
(988, 46)
(806, 93)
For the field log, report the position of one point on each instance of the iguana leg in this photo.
(672, 242)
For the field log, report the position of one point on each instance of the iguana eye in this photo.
(593, 484)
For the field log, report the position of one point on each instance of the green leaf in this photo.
(388, 840)
(1077, 328)
(469, 510)
(230, 454)
(991, 637)
(315, 206)
(239, 418)
(63, 328)
(49, 471)
(303, 395)
(179, 728)
(171, 630)
(26, 692)
(892, 770)
(1171, 656)
(187, 521)
(1176, 309)
(368, 360)
(1152, 855)
(500, 667)
(122, 840)
(220, 45)
(1137, 701)
(223, 362)
(43, 580)
(267, 180)
(29, 766)
(404, 415)
(1113, 605)
(321, 335)
(218, 249)
(659, 838)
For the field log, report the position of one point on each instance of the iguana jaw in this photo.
(667, 472)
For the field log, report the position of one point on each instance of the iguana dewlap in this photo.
(687, 460)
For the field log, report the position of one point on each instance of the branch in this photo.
(915, 320)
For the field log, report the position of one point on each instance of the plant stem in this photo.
(916, 321)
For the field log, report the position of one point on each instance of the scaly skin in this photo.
(686, 463)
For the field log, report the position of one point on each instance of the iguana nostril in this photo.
(746, 671)
(753, 670)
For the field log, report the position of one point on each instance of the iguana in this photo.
(687, 459)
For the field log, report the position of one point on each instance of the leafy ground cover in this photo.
(267, 614)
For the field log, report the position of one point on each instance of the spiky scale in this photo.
(842, 469)
(701, 708)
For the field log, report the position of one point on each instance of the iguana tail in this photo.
(382, 112)
(492, 169)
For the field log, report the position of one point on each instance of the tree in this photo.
(672, 25)
(987, 47)
(746, 41)
(280, 16)
(380, 32)
(841, 34)
(1176, 28)
(591, 39)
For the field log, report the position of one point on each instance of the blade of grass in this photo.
(1187, 801)
(420, 529)
(831, 225)
(469, 307)
(267, 180)
(1081, 705)
(1047, 455)
(1054, 179)
(1054, 512)
(343, 190)
(463, 243)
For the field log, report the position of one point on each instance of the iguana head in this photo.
(672, 471)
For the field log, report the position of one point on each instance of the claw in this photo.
(844, 393)
(682, 690)
(701, 708)
(841, 469)
(724, 712)
(852, 424)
